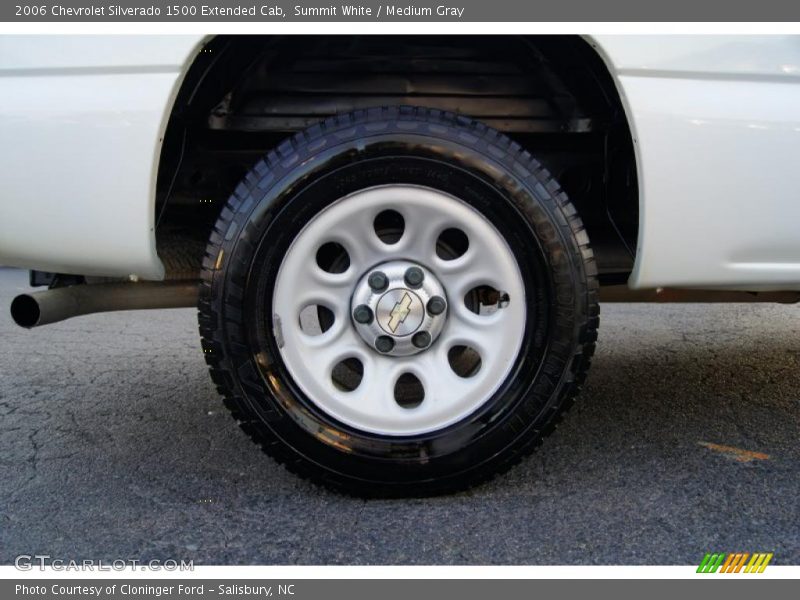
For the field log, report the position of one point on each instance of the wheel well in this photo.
(243, 94)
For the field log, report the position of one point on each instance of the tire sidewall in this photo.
(280, 197)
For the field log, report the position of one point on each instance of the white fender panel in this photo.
(82, 119)
(716, 126)
(715, 121)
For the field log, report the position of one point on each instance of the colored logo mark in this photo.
(400, 312)
(734, 562)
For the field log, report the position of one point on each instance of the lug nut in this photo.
(414, 277)
(421, 339)
(378, 281)
(362, 314)
(436, 305)
(384, 344)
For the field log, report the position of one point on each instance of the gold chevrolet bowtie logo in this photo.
(400, 312)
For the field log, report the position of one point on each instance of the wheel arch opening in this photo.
(243, 94)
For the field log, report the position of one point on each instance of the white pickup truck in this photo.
(398, 244)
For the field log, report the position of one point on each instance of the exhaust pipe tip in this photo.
(25, 311)
(50, 306)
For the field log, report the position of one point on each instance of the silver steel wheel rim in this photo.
(310, 358)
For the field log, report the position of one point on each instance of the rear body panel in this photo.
(715, 121)
(716, 125)
(81, 123)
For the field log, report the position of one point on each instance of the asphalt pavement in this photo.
(116, 446)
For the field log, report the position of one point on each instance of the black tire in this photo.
(398, 145)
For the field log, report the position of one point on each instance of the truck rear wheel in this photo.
(398, 301)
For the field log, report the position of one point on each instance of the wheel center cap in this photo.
(399, 308)
(400, 312)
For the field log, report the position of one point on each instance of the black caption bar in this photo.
(417, 10)
(418, 589)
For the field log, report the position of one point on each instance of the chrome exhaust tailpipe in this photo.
(50, 306)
